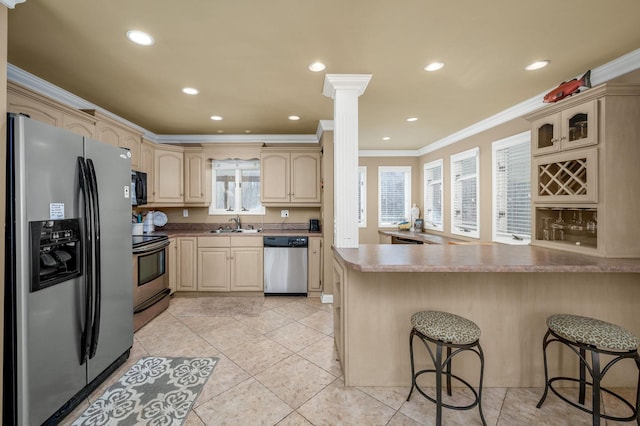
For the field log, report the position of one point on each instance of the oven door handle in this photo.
(151, 247)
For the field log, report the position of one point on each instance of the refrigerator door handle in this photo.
(95, 328)
(85, 339)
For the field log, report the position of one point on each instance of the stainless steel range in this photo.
(150, 281)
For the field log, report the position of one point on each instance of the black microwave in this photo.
(138, 188)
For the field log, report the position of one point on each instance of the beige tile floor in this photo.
(278, 367)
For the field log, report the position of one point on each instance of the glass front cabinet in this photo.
(585, 173)
(574, 127)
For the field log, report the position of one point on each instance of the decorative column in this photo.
(345, 89)
(11, 4)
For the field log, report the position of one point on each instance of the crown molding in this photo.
(619, 66)
(212, 139)
(389, 153)
(11, 4)
(615, 68)
(32, 82)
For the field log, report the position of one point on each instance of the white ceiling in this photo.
(249, 59)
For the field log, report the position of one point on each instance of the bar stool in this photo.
(583, 334)
(443, 329)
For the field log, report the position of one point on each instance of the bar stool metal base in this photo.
(443, 368)
(596, 373)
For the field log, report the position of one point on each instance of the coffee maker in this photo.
(314, 225)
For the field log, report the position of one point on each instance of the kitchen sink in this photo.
(235, 231)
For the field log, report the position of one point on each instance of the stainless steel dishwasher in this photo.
(285, 266)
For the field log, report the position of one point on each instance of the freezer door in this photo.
(113, 174)
(48, 322)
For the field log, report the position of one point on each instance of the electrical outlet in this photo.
(284, 213)
(185, 212)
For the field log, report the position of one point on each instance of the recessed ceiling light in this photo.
(220, 131)
(140, 38)
(434, 66)
(247, 131)
(317, 67)
(216, 118)
(537, 65)
(294, 118)
(190, 91)
(386, 138)
(411, 119)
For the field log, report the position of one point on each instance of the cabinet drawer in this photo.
(213, 242)
(246, 241)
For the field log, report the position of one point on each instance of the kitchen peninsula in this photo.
(509, 291)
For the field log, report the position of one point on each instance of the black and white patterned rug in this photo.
(154, 391)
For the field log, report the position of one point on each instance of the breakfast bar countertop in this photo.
(476, 258)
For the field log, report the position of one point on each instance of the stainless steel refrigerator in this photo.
(68, 269)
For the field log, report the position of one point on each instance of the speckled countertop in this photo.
(267, 233)
(476, 258)
(205, 230)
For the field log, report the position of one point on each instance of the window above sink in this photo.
(236, 187)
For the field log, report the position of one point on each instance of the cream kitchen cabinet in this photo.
(22, 100)
(116, 134)
(168, 175)
(186, 263)
(147, 151)
(172, 266)
(83, 125)
(230, 264)
(585, 199)
(314, 270)
(132, 143)
(565, 128)
(195, 183)
(566, 177)
(290, 178)
(38, 107)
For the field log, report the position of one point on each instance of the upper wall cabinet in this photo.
(114, 133)
(24, 101)
(195, 182)
(585, 200)
(290, 177)
(168, 172)
(147, 159)
(573, 127)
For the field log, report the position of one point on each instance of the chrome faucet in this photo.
(237, 221)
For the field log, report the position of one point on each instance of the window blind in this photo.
(464, 193)
(433, 208)
(394, 190)
(512, 190)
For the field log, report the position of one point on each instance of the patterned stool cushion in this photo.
(590, 331)
(447, 327)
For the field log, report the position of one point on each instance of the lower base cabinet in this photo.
(314, 279)
(230, 264)
(185, 264)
